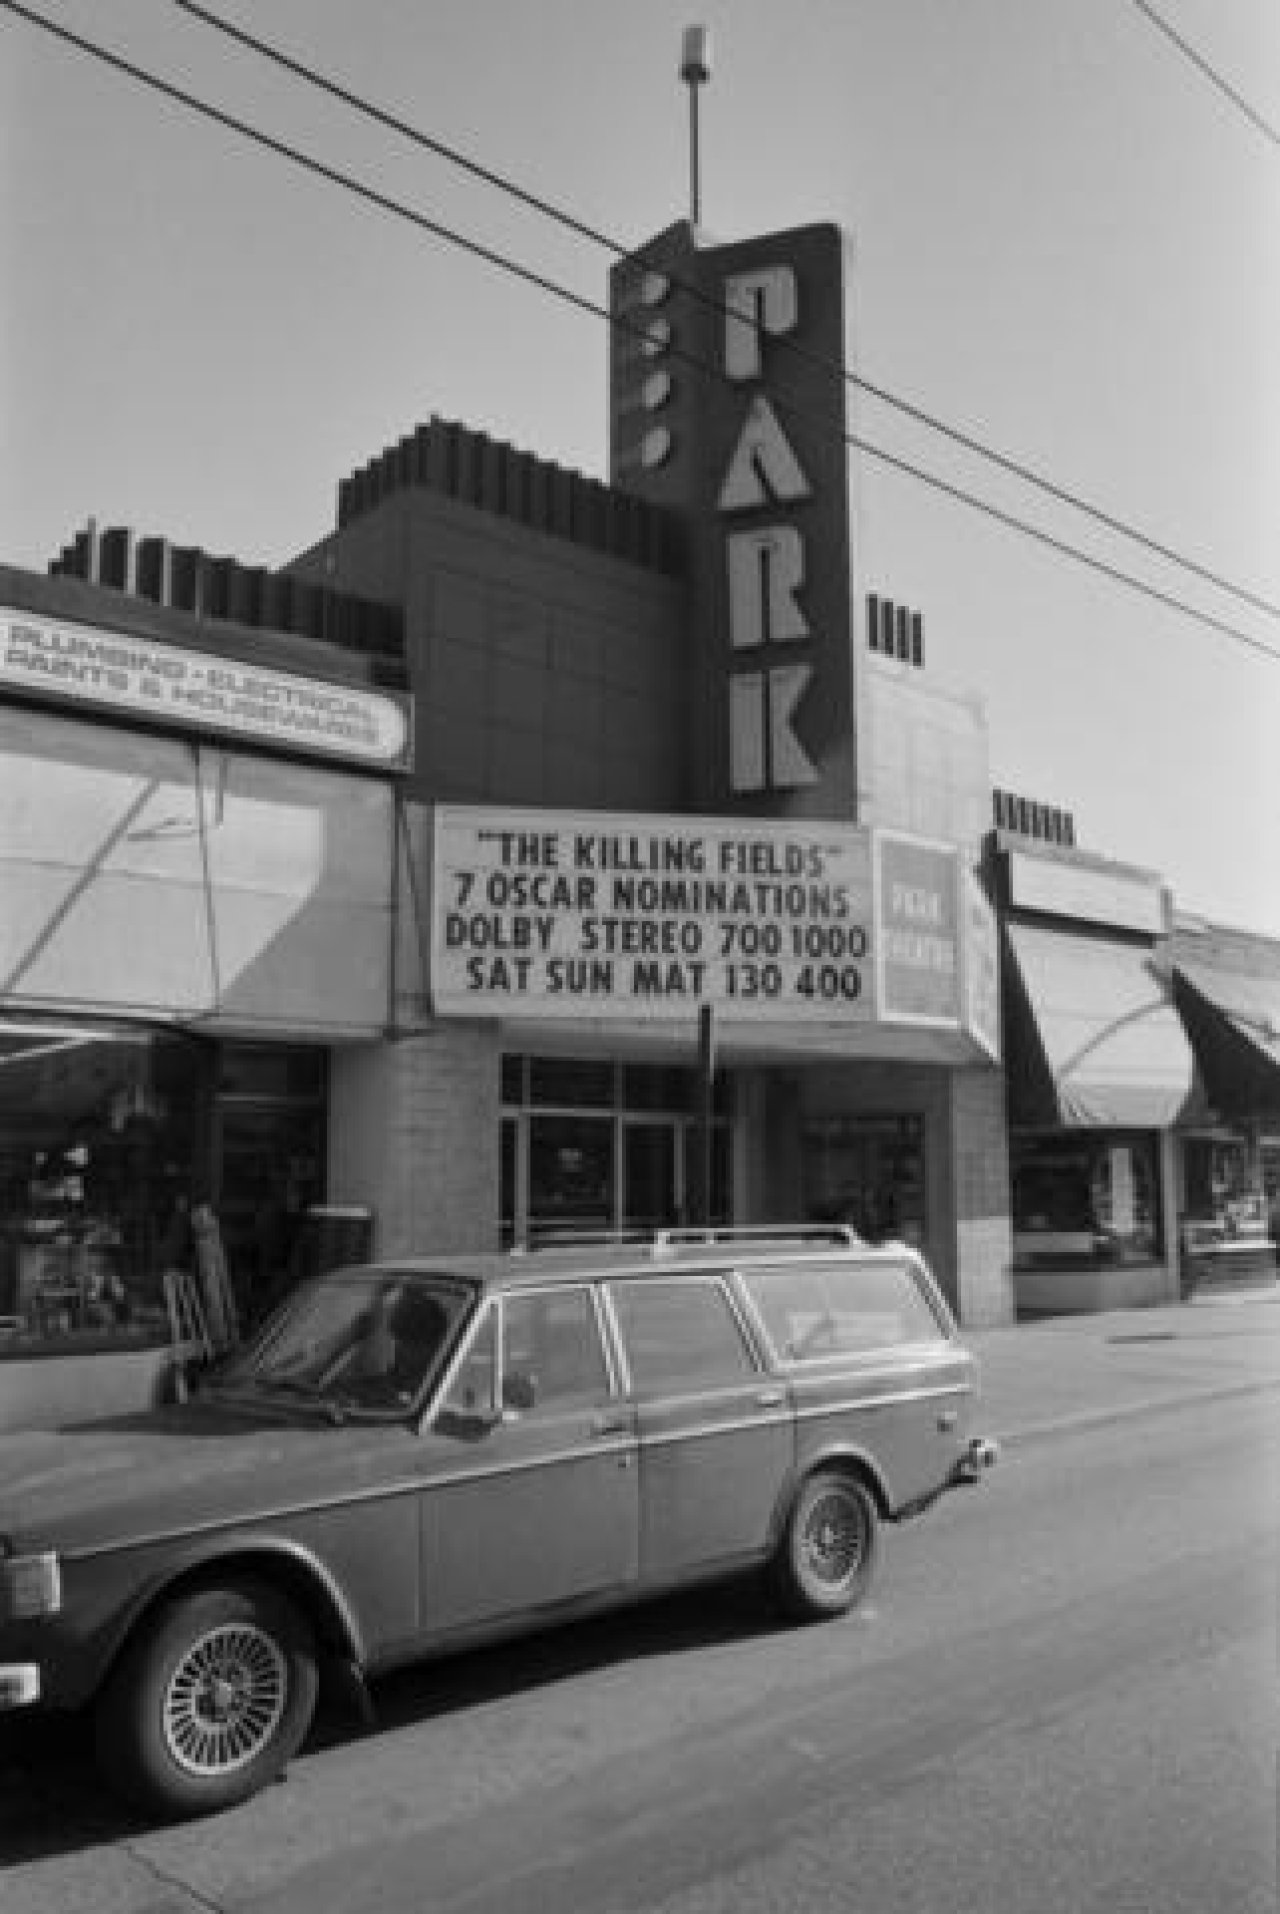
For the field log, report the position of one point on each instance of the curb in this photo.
(1086, 1419)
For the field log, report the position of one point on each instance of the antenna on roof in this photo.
(695, 71)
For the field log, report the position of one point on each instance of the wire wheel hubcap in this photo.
(833, 1541)
(225, 1700)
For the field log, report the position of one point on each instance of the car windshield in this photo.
(368, 1338)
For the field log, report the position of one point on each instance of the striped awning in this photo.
(1095, 1040)
(1233, 1020)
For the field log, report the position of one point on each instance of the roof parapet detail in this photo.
(493, 476)
(187, 578)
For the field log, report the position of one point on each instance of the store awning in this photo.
(144, 876)
(1233, 1020)
(1094, 1039)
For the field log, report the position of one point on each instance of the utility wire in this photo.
(541, 282)
(1214, 78)
(1014, 467)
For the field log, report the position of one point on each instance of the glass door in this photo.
(650, 1174)
(595, 1146)
(720, 1207)
(572, 1184)
(511, 1200)
(269, 1145)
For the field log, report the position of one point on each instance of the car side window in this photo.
(816, 1310)
(471, 1393)
(552, 1354)
(680, 1335)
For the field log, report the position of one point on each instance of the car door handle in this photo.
(947, 1419)
(770, 1399)
(611, 1422)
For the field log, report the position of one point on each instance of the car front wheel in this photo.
(827, 1554)
(210, 1701)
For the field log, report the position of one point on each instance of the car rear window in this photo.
(813, 1311)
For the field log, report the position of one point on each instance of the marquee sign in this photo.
(543, 915)
(152, 679)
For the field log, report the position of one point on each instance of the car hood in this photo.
(112, 1481)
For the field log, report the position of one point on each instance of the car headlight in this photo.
(30, 1586)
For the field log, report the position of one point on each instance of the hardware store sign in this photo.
(545, 915)
(202, 691)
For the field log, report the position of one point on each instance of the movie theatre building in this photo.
(665, 789)
(532, 854)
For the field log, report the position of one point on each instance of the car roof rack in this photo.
(585, 1239)
(664, 1242)
(692, 1235)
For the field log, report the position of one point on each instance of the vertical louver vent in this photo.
(1044, 822)
(190, 579)
(894, 631)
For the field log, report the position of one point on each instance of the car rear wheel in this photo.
(826, 1558)
(210, 1701)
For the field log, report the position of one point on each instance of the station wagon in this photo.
(419, 1455)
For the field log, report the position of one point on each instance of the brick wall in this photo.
(980, 1197)
(415, 1134)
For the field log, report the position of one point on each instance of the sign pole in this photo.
(706, 1111)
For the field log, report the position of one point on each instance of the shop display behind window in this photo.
(98, 1140)
(1225, 1188)
(1090, 1198)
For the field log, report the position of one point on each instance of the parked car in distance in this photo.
(422, 1454)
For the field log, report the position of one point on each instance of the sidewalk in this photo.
(1040, 1379)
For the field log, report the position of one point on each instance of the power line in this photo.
(1210, 73)
(548, 210)
(490, 256)
(407, 131)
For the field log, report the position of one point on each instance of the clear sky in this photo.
(1067, 246)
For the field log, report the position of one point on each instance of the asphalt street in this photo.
(1061, 1699)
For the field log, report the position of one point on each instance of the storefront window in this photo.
(559, 1080)
(1225, 1185)
(1270, 1153)
(1088, 1198)
(98, 1141)
(867, 1171)
(652, 1087)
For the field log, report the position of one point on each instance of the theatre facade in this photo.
(536, 855)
